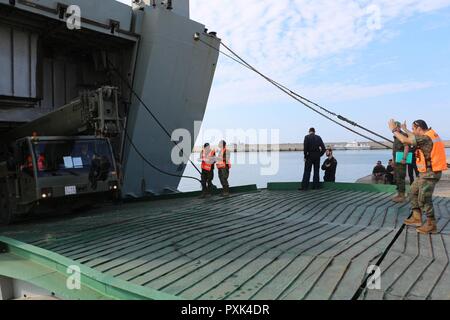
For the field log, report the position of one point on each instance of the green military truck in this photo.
(63, 160)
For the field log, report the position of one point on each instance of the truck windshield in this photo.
(71, 157)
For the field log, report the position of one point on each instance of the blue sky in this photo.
(368, 60)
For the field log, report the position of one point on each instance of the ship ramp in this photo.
(277, 244)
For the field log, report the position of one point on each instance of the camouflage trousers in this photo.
(422, 192)
(400, 176)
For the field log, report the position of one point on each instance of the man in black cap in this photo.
(314, 149)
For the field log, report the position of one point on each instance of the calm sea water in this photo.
(247, 169)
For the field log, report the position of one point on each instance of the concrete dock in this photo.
(293, 147)
(442, 189)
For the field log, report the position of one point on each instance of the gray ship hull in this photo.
(174, 74)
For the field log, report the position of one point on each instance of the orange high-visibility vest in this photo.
(223, 163)
(438, 161)
(207, 166)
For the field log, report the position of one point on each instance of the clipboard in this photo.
(399, 157)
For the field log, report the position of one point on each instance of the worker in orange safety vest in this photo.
(40, 163)
(224, 165)
(207, 158)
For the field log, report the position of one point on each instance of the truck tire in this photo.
(6, 212)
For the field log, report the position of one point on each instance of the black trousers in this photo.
(309, 164)
(207, 178)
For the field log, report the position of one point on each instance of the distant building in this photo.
(352, 146)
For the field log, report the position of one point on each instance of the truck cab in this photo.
(42, 174)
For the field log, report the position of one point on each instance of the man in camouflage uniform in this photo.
(423, 188)
(422, 196)
(400, 168)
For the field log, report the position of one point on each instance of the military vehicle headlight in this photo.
(114, 185)
(46, 193)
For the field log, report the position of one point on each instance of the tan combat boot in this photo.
(415, 220)
(400, 198)
(429, 227)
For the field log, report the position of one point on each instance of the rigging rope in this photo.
(304, 101)
(365, 282)
(150, 163)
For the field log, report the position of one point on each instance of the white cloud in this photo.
(287, 39)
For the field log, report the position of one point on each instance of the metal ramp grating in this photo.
(259, 245)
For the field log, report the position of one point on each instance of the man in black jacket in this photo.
(330, 166)
(314, 149)
(378, 173)
(390, 173)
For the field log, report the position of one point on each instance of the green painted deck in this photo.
(268, 244)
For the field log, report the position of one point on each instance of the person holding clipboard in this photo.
(402, 157)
